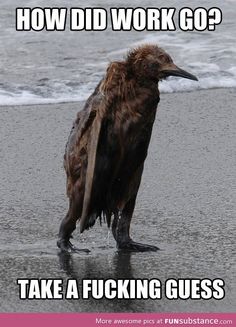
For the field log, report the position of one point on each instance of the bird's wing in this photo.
(94, 119)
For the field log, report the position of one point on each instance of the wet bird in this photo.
(108, 145)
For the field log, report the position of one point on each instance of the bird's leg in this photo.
(121, 231)
(68, 225)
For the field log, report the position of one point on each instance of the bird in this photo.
(108, 144)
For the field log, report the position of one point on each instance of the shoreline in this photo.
(83, 101)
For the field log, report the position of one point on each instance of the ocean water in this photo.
(54, 67)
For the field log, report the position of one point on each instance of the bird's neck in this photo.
(121, 83)
(123, 88)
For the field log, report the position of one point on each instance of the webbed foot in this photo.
(136, 247)
(67, 247)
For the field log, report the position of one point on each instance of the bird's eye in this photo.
(153, 65)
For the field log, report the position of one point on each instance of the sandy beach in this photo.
(186, 205)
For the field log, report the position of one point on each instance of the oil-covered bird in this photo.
(108, 145)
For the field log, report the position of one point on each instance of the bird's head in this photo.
(149, 62)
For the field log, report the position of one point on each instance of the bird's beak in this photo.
(173, 70)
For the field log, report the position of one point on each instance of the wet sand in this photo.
(186, 205)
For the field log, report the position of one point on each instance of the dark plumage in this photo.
(108, 145)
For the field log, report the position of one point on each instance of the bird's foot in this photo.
(67, 247)
(136, 247)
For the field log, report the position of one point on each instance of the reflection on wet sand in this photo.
(121, 267)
